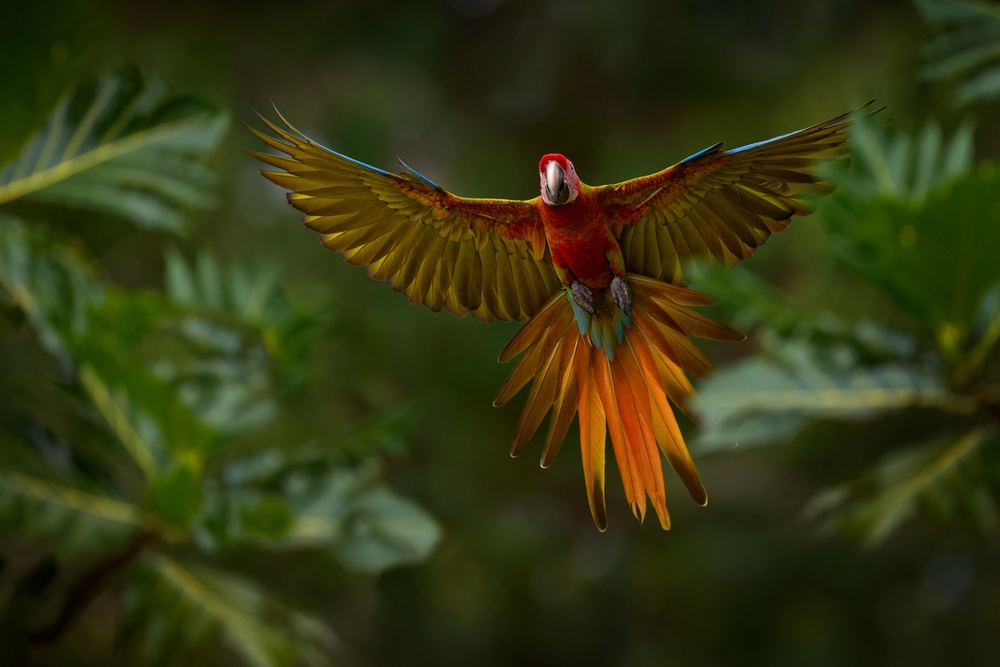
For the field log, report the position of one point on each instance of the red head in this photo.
(558, 180)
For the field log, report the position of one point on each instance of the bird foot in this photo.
(584, 296)
(621, 294)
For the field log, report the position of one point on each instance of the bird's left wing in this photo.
(485, 257)
(722, 205)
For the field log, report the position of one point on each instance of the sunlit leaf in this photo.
(771, 396)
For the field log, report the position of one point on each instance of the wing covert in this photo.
(722, 205)
(484, 257)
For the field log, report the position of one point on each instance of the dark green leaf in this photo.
(175, 494)
(948, 477)
(47, 44)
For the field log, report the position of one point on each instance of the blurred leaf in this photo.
(190, 603)
(170, 423)
(50, 283)
(175, 494)
(369, 527)
(927, 240)
(35, 489)
(772, 395)
(269, 517)
(117, 412)
(74, 521)
(124, 148)
(893, 165)
(944, 475)
(257, 339)
(966, 47)
(749, 302)
(46, 46)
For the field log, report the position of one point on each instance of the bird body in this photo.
(580, 240)
(595, 272)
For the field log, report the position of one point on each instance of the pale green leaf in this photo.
(364, 523)
(771, 396)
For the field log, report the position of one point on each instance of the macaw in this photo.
(596, 273)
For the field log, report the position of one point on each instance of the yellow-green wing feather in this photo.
(484, 257)
(722, 205)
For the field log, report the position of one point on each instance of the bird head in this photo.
(558, 180)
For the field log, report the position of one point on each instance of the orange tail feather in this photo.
(628, 395)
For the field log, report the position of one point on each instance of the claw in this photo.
(621, 294)
(584, 296)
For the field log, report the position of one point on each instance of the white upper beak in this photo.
(554, 177)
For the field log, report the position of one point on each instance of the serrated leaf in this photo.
(121, 147)
(770, 397)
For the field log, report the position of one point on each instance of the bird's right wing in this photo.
(722, 205)
(485, 257)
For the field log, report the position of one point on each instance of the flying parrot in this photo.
(596, 273)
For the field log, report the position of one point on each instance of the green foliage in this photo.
(194, 604)
(775, 393)
(916, 221)
(896, 224)
(146, 447)
(122, 147)
(966, 48)
(954, 478)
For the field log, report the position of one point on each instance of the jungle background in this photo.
(220, 444)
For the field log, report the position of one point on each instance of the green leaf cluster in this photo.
(135, 439)
(966, 48)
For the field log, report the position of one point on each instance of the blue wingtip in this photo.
(413, 172)
(703, 152)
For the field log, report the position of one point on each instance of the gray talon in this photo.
(621, 294)
(584, 296)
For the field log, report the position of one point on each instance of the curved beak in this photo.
(555, 183)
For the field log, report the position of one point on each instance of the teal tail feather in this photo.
(607, 328)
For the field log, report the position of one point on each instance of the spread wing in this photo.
(722, 205)
(487, 257)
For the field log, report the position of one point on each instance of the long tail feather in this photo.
(623, 375)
